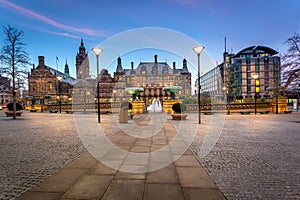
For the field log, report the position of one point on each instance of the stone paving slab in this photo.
(88, 178)
(94, 180)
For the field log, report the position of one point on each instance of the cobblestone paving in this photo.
(257, 157)
(32, 148)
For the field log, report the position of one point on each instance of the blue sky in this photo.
(54, 27)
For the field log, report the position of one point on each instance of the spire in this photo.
(82, 48)
(184, 68)
(67, 72)
(119, 66)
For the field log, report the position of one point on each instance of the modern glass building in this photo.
(253, 70)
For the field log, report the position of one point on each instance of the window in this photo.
(50, 86)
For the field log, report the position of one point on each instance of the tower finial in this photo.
(225, 44)
(81, 41)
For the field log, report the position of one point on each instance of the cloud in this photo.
(39, 17)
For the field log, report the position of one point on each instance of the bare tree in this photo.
(14, 59)
(291, 63)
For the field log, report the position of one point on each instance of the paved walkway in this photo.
(87, 178)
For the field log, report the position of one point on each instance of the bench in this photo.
(264, 112)
(69, 111)
(53, 111)
(33, 110)
(245, 112)
(208, 112)
(287, 111)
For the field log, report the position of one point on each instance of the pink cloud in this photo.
(39, 17)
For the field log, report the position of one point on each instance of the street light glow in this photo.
(198, 49)
(97, 51)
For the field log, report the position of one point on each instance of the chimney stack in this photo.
(155, 58)
(132, 65)
(41, 60)
(174, 65)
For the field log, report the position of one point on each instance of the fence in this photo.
(113, 106)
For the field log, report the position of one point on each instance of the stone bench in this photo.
(208, 112)
(245, 112)
(264, 112)
(69, 111)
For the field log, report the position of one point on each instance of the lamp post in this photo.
(97, 51)
(198, 50)
(59, 79)
(225, 89)
(255, 76)
(276, 98)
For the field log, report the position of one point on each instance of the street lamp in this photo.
(225, 89)
(198, 50)
(255, 76)
(97, 51)
(59, 79)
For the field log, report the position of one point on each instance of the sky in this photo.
(54, 28)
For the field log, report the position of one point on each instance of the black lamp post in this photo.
(198, 50)
(98, 101)
(255, 76)
(97, 51)
(59, 91)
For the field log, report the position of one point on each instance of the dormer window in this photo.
(143, 70)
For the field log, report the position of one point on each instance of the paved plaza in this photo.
(255, 157)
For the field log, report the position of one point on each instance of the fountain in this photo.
(155, 106)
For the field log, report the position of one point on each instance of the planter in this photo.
(10, 113)
(179, 109)
(179, 116)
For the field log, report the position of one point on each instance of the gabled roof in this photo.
(149, 68)
(65, 79)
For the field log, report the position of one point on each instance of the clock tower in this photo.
(82, 62)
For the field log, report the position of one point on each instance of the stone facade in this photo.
(44, 86)
(5, 90)
(153, 77)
